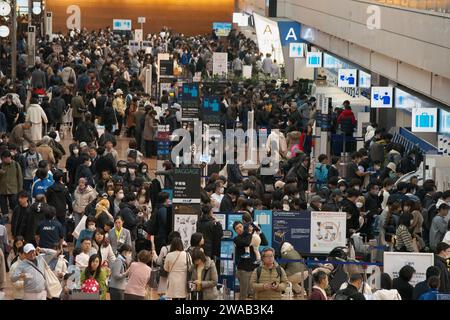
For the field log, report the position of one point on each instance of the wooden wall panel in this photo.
(187, 16)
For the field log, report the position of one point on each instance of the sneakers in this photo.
(245, 256)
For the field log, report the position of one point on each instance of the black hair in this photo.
(434, 282)
(176, 245)
(172, 235)
(319, 276)
(89, 219)
(385, 281)
(58, 175)
(406, 273)
(198, 254)
(195, 239)
(355, 277)
(88, 272)
(353, 193)
(23, 194)
(162, 197)
(124, 247)
(433, 271)
(402, 186)
(335, 159)
(236, 223)
(41, 173)
(441, 246)
(322, 157)
(405, 219)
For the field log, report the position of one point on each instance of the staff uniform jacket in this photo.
(125, 238)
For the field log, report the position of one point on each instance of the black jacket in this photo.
(332, 172)
(103, 163)
(58, 196)
(86, 132)
(445, 276)
(350, 208)
(419, 289)
(105, 137)
(352, 293)
(35, 216)
(84, 172)
(404, 288)
(130, 219)
(212, 233)
(234, 173)
(226, 205)
(302, 178)
(19, 220)
(109, 116)
(241, 242)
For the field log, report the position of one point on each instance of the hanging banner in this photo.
(394, 261)
(327, 231)
(220, 64)
(187, 185)
(268, 35)
(264, 220)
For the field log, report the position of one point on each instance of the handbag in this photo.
(153, 282)
(52, 284)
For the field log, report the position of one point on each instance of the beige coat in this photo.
(268, 276)
(46, 153)
(37, 116)
(119, 106)
(209, 279)
(177, 264)
(82, 199)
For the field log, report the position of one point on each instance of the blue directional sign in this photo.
(296, 50)
(289, 32)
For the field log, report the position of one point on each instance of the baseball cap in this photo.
(83, 144)
(317, 198)
(28, 248)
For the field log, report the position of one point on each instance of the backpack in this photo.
(259, 270)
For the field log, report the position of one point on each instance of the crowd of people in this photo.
(85, 208)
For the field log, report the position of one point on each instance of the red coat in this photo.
(347, 114)
(316, 294)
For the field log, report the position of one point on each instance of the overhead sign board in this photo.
(424, 120)
(290, 31)
(121, 25)
(381, 97)
(314, 59)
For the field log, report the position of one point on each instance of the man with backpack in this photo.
(158, 224)
(268, 280)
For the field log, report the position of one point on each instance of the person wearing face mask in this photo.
(385, 192)
(334, 203)
(119, 195)
(142, 172)
(131, 175)
(316, 203)
(83, 195)
(349, 206)
(119, 272)
(84, 170)
(217, 196)
(88, 232)
(342, 185)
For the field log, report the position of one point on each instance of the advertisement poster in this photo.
(381, 97)
(293, 227)
(268, 35)
(327, 231)
(186, 225)
(187, 185)
(220, 217)
(394, 261)
(232, 217)
(222, 29)
(264, 220)
(424, 120)
(220, 64)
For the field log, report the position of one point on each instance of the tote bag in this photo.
(52, 284)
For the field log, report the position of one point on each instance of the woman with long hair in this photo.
(177, 265)
(94, 277)
(101, 246)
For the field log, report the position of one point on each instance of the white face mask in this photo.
(76, 151)
(91, 227)
(88, 163)
(144, 170)
(359, 205)
(131, 171)
(120, 196)
(222, 190)
(123, 170)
